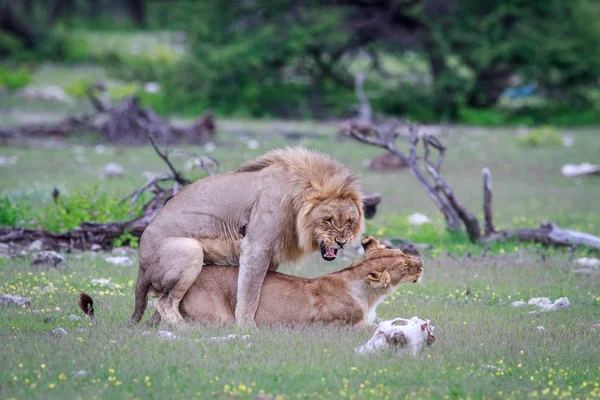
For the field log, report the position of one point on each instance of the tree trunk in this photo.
(489, 86)
(138, 11)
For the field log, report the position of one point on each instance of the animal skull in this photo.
(400, 333)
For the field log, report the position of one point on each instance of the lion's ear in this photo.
(378, 279)
(370, 243)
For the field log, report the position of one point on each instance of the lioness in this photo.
(349, 296)
(274, 209)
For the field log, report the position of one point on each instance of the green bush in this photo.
(77, 50)
(14, 79)
(67, 212)
(121, 91)
(542, 136)
(78, 87)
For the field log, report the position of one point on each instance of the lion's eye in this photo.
(329, 220)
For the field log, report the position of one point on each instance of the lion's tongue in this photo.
(330, 253)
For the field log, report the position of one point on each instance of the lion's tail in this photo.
(86, 304)
(141, 301)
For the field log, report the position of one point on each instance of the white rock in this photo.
(518, 304)
(533, 313)
(559, 304)
(58, 332)
(210, 147)
(166, 335)
(74, 317)
(588, 262)
(8, 160)
(95, 247)
(253, 144)
(151, 87)
(4, 250)
(119, 261)
(567, 141)
(52, 92)
(100, 282)
(412, 334)
(113, 170)
(12, 300)
(49, 259)
(100, 149)
(418, 219)
(36, 245)
(82, 373)
(571, 170)
(541, 329)
(539, 301)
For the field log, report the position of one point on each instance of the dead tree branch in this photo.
(442, 194)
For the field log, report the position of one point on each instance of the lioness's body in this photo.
(274, 209)
(349, 296)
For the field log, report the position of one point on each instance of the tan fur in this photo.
(346, 297)
(272, 210)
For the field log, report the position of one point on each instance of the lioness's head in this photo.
(388, 268)
(335, 223)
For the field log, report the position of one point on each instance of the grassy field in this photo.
(467, 299)
(485, 348)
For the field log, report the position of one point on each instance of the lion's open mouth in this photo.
(328, 253)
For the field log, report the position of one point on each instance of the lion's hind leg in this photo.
(181, 261)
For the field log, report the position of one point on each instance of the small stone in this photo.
(146, 333)
(210, 147)
(541, 329)
(596, 327)
(11, 300)
(166, 335)
(82, 373)
(533, 313)
(36, 245)
(119, 261)
(82, 330)
(48, 288)
(95, 247)
(113, 170)
(5, 160)
(518, 304)
(100, 282)
(539, 301)
(74, 317)
(567, 141)
(100, 149)
(151, 87)
(253, 144)
(588, 262)
(58, 332)
(560, 304)
(49, 259)
(418, 219)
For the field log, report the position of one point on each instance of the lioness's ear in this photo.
(369, 243)
(378, 279)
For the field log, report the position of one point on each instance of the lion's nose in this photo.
(341, 244)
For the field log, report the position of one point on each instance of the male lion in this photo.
(274, 209)
(346, 297)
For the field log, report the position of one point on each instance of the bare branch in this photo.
(176, 175)
(487, 202)
(137, 193)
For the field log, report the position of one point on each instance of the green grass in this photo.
(466, 298)
(468, 302)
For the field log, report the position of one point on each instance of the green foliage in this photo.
(118, 92)
(77, 50)
(78, 87)
(542, 136)
(14, 79)
(67, 212)
(127, 239)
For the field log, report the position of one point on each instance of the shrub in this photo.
(14, 79)
(77, 87)
(542, 136)
(67, 212)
